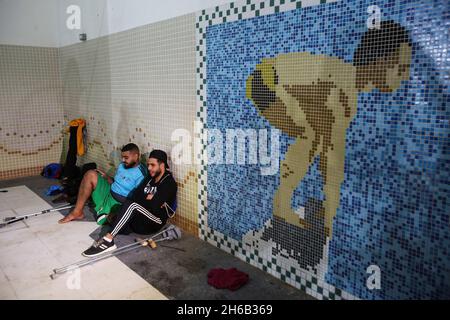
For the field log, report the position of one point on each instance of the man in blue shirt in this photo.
(108, 193)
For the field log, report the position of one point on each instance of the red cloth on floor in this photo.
(231, 279)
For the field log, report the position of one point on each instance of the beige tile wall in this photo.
(31, 112)
(136, 86)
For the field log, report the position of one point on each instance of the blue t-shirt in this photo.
(126, 180)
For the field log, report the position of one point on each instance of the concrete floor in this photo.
(182, 274)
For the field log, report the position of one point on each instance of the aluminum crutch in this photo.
(115, 252)
(170, 234)
(9, 220)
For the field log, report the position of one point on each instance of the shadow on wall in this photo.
(71, 92)
(71, 87)
(122, 132)
(86, 73)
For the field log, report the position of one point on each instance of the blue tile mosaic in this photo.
(393, 207)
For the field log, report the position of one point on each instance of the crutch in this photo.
(8, 220)
(172, 232)
(168, 234)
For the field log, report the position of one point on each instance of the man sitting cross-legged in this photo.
(107, 193)
(149, 209)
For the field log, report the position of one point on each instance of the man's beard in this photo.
(157, 173)
(131, 165)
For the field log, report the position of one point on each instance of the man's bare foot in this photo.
(72, 216)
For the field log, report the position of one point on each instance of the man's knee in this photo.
(91, 177)
(91, 174)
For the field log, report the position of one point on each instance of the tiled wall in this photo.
(362, 191)
(31, 113)
(136, 86)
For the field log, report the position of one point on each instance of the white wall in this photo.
(43, 22)
(103, 17)
(94, 20)
(129, 14)
(29, 22)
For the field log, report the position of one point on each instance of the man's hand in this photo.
(104, 175)
(101, 173)
(149, 196)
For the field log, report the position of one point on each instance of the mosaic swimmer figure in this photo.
(313, 98)
(109, 193)
(152, 204)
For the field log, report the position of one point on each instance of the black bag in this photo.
(72, 185)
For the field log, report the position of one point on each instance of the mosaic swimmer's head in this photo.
(382, 61)
(383, 58)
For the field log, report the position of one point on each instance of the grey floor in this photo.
(182, 273)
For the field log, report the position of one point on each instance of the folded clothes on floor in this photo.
(231, 279)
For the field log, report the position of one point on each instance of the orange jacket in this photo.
(81, 124)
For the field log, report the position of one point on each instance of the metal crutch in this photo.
(115, 252)
(170, 234)
(9, 220)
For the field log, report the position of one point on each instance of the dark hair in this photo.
(130, 147)
(159, 155)
(380, 42)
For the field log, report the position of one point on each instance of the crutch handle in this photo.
(152, 243)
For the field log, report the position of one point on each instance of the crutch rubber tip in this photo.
(141, 242)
